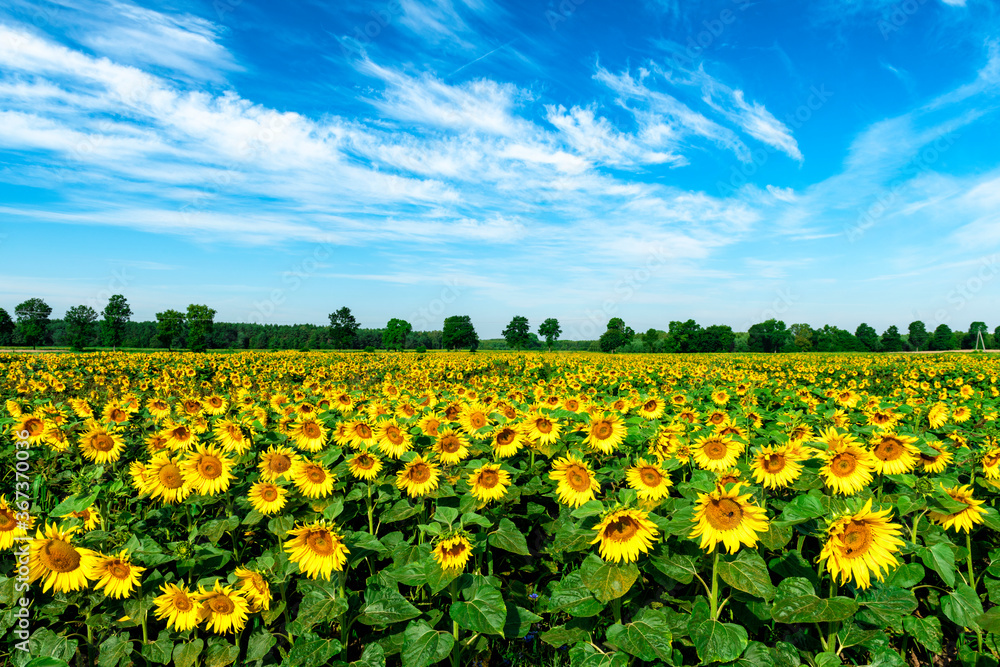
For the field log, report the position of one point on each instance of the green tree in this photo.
(459, 332)
(892, 341)
(972, 337)
(6, 328)
(651, 339)
(343, 329)
(716, 338)
(612, 339)
(868, 337)
(116, 314)
(768, 336)
(682, 336)
(80, 326)
(394, 336)
(918, 335)
(802, 336)
(550, 330)
(200, 320)
(942, 338)
(516, 333)
(169, 327)
(33, 321)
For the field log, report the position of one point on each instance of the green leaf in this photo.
(647, 637)
(401, 510)
(185, 654)
(46, 662)
(812, 609)
(318, 607)
(438, 578)
(73, 504)
(562, 635)
(991, 518)
(509, 538)
(676, 566)
(747, 572)
(260, 644)
(927, 631)
(361, 540)
(828, 659)
(423, 646)
(312, 651)
(484, 612)
(785, 655)
(886, 657)
(518, 621)
(45, 642)
(718, 642)
(755, 655)
(588, 509)
(887, 605)
(372, 656)
(220, 653)
(160, 650)
(606, 581)
(572, 538)
(776, 537)
(941, 559)
(906, 576)
(446, 515)
(793, 587)
(571, 596)
(280, 525)
(800, 509)
(963, 607)
(384, 606)
(586, 655)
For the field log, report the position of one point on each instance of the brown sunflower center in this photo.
(269, 494)
(724, 514)
(455, 551)
(181, 433)
(774, 463)
(192, 407)
(118, 415)
(311, 430)
(717, 418)
(182, 602)
(543, 425)
(394, 435)
(170, 476)
(159, 406)
(7, 521)
(578, 478)
(209, 467)
(419, 473)
(34, 426)
(857, 539)
(320, 542)
(649, 406)
(221, 604)
(344, 399)
(506, 437)
(364, 462)
(59, 556)
(572, 404)
(797, 433)
(844, 464)
(477, 419)
(650, 476)
(119, 570)
(715, 449)
(363, 431)
(621, 529)
(489, 478)
(279, 463)
(431, 426)
(889, 449)
(102, 442)
(602, 430)
(215, 402)
(450, 444)
(315, 474)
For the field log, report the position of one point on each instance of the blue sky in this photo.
(834, 161)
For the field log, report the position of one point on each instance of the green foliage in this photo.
(6, 328)
(918, 335)
(550, 330)
(33, 321)
(458, 332)
(116, 314)
(80, 323)
(200, 319)
(768, 336)
(343, 329)
(516, 333)
(942, 338)
(394, 336)
(169, 327)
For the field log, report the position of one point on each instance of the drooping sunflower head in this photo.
(893, 454)
(452, 552)
(624, 534)
(728, 517)
(652, 408)
(489, 482)
(937, 416)
(55, 560)
(418, 477)
(179, 606)
(312, 478)
(116, 575)
(10, 527)
(318, 548)
(254, 588)
(649, 480)
(229, 433)
(861, 544)
(576, 482)
(963, 519)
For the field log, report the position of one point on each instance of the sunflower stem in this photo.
(714, 601)
(968, 546)
(456, 632)
(916, 522)
(371, 523)
(145, 631)
(616, 606)
(284, 600)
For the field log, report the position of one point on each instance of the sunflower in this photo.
(225, 609)
(113, 412)
(453, 551)
(937, 415)
(34, 425)
(720, 397)
(576, 482)
(100, 445)
(55, 438)
(208, 471)
(542, 429)
(489, 482)
(716, 453)
(451, 447)
(90, 517)
(156, 443)
(964, 519)
(115, 574)
(255, 588)
(961, 414)
(179, 436)
(318, 548)
(181, 609)
(277, 462)
(216, 405)
(605, 432)
(624, 534)
(728, 517)
(848, 467)
(475, 417)
(894, 454)
(507, 440)
(418, 477)
(937, 463)
(309, 434)
(312, 479)
(10, 527)
(230, 436)
(718, 419)
(165, 479)
(393, 440)
(652, 408)
(649, 480)
(365, 465)
(60, 565)
(860, 544)
(430, 424)
(774, 467)
(267, 497)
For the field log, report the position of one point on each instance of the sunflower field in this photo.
(475, 509)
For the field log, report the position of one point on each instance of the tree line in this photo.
(195, 329)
